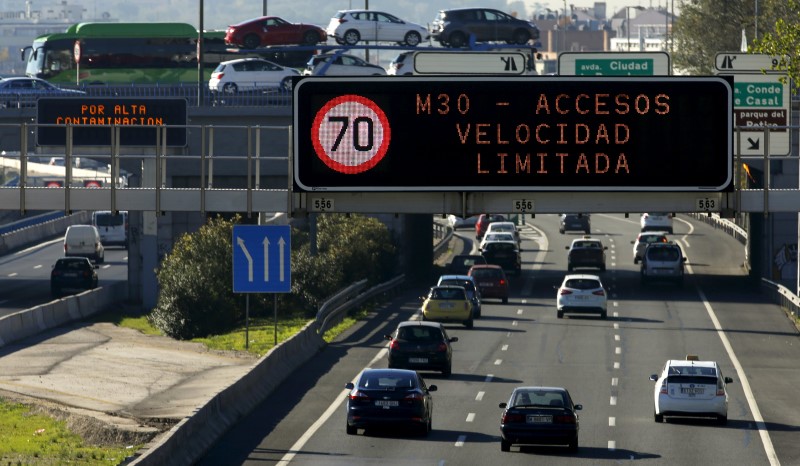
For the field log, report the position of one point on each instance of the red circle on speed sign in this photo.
(351, 134)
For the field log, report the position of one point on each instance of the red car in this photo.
(491, 281)
(272, 30)
(483, 222)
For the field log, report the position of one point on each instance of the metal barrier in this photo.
(782, 296)
(332, 312)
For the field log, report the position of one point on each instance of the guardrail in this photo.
(782, 296)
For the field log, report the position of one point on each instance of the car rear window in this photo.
(109, 220)
(692, 379)
(495, 247)
(582, 284)
(71, 265)
(487, 273)
(663, 254)
(448, 293)
(419, 334)
(386, 382)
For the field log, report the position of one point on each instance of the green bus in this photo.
(135, 53)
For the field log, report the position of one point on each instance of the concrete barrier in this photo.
(29, 322)
(35, 234)
(191, 438)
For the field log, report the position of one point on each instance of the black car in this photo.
(389, 398)
(539, 416)
(421, 345)
(506, 254)
(18, 92)
(454, 27)
(73, 273)
(575, 222)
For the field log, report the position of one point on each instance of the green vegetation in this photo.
(783, 41)
(29, 438)
(196, 298)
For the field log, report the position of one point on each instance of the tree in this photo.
(707, 27)
(784, 40)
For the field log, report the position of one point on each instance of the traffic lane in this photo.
(765, 342)
(25, 276)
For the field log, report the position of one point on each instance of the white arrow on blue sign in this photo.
(261, 259)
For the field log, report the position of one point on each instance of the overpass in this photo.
(239, 159)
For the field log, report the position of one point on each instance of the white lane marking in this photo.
(519, 311)
(614, 303)
(460, 441)
(488, 378)
(616, 314)
(514, 323)
(504, 348)
(616, 337)
(618, 350)
(298, 445)
(613, 401)
(612, 421)
(612, 445)
(616, 325)
(614, 381)
(470, 417)
(106, 266)
(497, 362)
(616, 365)
(13, 274)
(772, 455)
(479, 396)
(37, 266)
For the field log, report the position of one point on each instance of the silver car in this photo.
(352, 26)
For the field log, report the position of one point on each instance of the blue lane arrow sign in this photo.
(255, 248)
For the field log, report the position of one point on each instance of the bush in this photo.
(196, 296)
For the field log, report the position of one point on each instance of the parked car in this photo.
(421, 346)
(72, 273)
(691, 387)
(447, 304)
(581, 293)
(461, 263)
(664, 261)
(273, 30)
(19, 92)
(645, 238)
(454, 27)
(491, 280)
(84, 241)
(656, 221)
(389, 398)
(401, 65)
(573, 222)
(351, 26)
(250, 74)
(539, 416)
(340, 64)
(586, 252)
(469, 284)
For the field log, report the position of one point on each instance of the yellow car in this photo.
(448, 303)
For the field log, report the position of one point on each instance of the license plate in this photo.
(386, 403)
(418, 360)
(693, 391)
(487, 284)
(445, 305)
(581, 297)
(70, 274)
(538, 419)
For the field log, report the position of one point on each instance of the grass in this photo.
(28, 438)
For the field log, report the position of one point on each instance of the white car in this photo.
(500, 236)
(656, 221)
(401, 65)
(340, 64)
(351, 26)
(690, 387)
(250, 74)
(457, 222)
(581, 293)
(503, 227)
(645, 238)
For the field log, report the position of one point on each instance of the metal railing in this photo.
(782, 296)
(333, 311)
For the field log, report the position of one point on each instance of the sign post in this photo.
(261, 264)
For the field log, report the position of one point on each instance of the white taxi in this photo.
(691, 388)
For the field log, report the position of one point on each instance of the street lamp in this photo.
(628, 23)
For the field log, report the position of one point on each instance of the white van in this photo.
(113, 228)
(84, 241)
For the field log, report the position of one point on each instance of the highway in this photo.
(25, 275)
(718, 314)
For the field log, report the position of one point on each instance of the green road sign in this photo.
(758, 94)
(614, 67)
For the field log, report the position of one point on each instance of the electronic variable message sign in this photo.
(513, 134)
(92, 119)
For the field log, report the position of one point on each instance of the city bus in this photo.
(138, 53)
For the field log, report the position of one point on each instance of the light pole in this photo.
(628, 23)
(564, 31)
